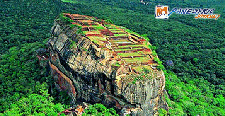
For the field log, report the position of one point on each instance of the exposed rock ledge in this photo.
(95, 61)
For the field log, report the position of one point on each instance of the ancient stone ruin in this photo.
(98, 62)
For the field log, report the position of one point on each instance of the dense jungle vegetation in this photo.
(196, 47)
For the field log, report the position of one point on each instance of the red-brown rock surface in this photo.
(95, 61)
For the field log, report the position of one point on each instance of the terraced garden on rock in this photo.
(128, 47)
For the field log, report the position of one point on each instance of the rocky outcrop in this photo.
(98, 62)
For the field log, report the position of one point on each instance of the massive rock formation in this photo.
(95, 61)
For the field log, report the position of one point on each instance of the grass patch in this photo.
(122, 49)
(95, 41)
(134, 45)
(97, 38)
(128, 49)
(116, 31)
(129, 54)
(116, 64)
(116, 35)
(122, 42)
(98, 27)
(85, 32)
(138, 59)
(111, 26)
(108, 26)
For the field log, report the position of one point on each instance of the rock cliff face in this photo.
(98, 62)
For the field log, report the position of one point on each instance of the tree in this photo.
(34, 104)
(99, 110)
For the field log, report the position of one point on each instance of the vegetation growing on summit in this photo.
(64, 19)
